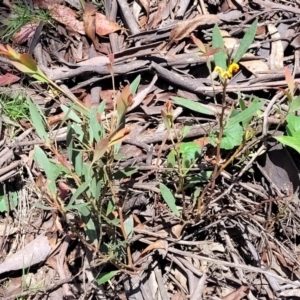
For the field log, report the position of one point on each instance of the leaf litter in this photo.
(168, 228)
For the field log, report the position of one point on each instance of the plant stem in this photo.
(216, 172)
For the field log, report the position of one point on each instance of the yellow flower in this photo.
(218, 70)
(233, 68)
(227, 74)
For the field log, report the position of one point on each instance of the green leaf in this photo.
(245, 114)
(185, 131)
(94, 126)
(169, 199)
(135, 84)
(192, 105)
(171, 159)
(52, 170)
(104, 277)
(101, 107)
(196, 195)
(90, 230)
(128, 226)
(293, 142)
(110, 207)
(126, 172)
(190, 151)
(78, 192)
(203, 176)
(37, 122)
(70, 113)
(246, 42)
(293, 127)
(295, 105)
(220, 58)
(233, 136)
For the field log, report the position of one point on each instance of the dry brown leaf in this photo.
(277, 55)
(238, 294)
(184, 28)
(25, 32)
(156, 17)
(62, 14)
(105, 26)
(256, 67)
(159, 244)
(67, 16)
(180, 275)
(33, 253)
(98, 60)
(8, 79)
(178, 296)
(201, 142)
(146, 5)
(56, 118)
(177, 230)
(89, 22)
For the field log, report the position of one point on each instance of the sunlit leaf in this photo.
(128, 226)
(245, 114)
(220, 57)
(192, 105)
(169, 199)
(135, 84)
(290, 141)
(104, 277)
(37, 122)
(246, 41)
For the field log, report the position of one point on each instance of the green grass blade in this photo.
(246, 42)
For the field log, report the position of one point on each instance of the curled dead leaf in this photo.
(89, 22)
(159, 244)
(105, 26)
(25, 32)
(184, 28)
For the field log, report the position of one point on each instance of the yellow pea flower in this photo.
(233, 68)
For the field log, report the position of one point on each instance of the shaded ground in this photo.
(170, 213)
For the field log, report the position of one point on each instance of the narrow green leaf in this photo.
(110, 207)
(70, 113)
(94, 126)
(51, 170)
(169, 198)
(245, 114)
(135, 84)
(246, 42)
(37, 122)
(192, 105)
(104, 277)
(128, 226)
(220, 58)
(290, 141)
(78, 192)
